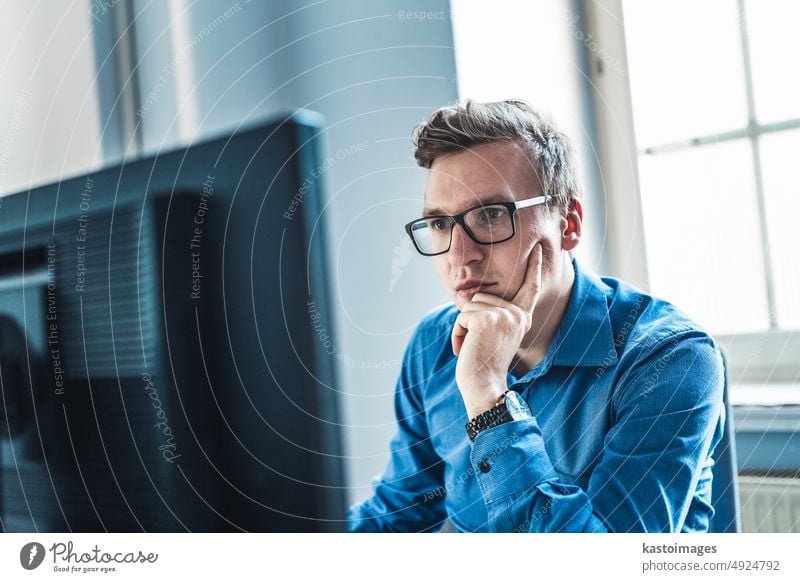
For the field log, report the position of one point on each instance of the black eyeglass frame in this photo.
(512, 207)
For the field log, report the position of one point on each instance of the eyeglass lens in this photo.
(487, 224)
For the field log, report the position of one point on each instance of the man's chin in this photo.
(458, 300)
(467, 295)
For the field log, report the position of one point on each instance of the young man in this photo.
(544, 398)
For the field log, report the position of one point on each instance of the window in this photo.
(715, 116)
(699, 129)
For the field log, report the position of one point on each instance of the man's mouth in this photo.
(468, 289)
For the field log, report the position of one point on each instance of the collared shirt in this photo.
(627, 411)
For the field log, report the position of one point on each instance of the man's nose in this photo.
(463, 249)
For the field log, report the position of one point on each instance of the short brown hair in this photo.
(457, 127)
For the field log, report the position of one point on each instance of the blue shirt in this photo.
(627, 408)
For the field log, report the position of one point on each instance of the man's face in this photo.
(492, 172)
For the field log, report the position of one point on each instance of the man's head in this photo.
(480, 153)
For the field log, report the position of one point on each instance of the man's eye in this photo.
(438, 224)
(490, 214)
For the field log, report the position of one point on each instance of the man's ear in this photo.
(570, 224)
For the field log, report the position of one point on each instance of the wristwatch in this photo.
(511, 407)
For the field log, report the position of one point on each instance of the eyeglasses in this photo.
(486, 224)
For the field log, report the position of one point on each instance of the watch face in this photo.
(517, 407)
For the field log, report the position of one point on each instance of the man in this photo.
(544, 398)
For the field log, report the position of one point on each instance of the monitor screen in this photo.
(161, 366)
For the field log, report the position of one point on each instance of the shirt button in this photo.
(484, 466)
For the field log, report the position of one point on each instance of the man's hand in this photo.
(487, 334)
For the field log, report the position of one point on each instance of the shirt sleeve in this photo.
(409, 495)
(668, 418)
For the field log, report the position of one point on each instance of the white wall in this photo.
(49, 119)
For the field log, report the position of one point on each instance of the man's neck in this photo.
(547, 316)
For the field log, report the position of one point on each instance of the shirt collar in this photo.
(585, 336)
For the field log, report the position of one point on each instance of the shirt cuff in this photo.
(510, 458)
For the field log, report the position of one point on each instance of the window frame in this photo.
(770, 356)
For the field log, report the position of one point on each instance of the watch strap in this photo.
(495, 416)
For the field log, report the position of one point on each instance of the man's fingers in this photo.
(528, 291)
(487, 298)
(524, 299)
(457, 336)
(476, 305)
(460, 331)
(457, 343)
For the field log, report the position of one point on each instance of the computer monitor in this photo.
(164, 360)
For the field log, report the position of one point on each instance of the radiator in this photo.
(769, 503)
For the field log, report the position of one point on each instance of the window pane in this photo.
(686, 68)
(779, 162)
(772, 30)
(701, 224)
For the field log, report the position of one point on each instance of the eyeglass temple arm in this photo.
(532, 201)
